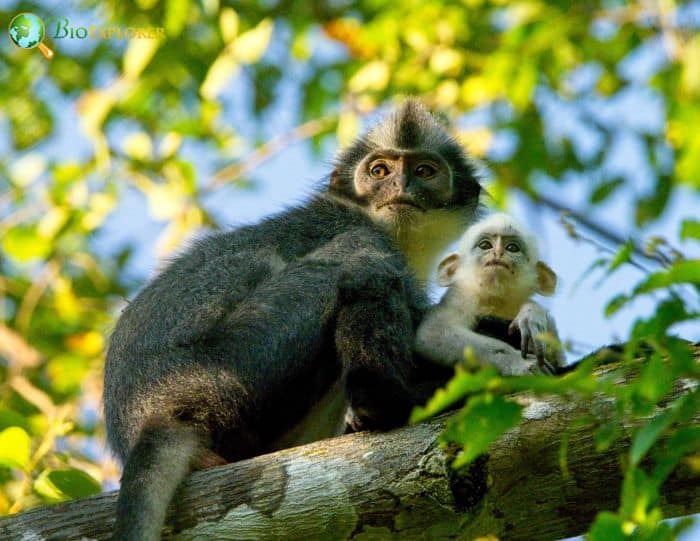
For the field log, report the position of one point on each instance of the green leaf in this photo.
(687, 271)
(607, 527)
(46, 489)
(176, 12)
(183, 173)
(30, 118)
(65, 484)
(479, 423)
(9, 417)
(24, 243)
(683, 442)
(374, 75)
(520, 92)
(137, 56)
(250, 46)
(606, 434)
(650, 208)
(645, 437)
(563, 454)
(680, 526)
(15, 448)
(667, 313)
(458, 387)
(138, 146)
(680, 353)
(654, 530)
(690, 229)
(639, 493)
(604, 190)
(623, 255)
(64, 174)
(348, 128)
(654, 381)
(221, 70)
(66, 372)
(580, 380)
(616, 303)
(228, 24)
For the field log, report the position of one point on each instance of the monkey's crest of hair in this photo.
(411, 126)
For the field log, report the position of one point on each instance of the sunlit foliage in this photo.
(138, 103)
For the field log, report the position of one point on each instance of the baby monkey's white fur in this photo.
(496, 280)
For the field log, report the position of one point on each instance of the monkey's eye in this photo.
(513, 247)
(485, 245)
(425, 170)
(379, 170)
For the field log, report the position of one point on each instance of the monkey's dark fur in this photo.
(497, 328)
(235, 341)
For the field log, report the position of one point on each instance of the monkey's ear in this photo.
(336, 180)
(447, 269)
(546, 279)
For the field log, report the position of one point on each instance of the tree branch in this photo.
(602, 230)
(393, 485)
(266, 151)
(19, 353)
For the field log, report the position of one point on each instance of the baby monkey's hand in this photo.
(537, 328)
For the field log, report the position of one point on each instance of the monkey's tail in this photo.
(161, 459)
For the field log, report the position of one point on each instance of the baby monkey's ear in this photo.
(546, 279)
(447, 269)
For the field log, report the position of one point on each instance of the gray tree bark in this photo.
(394, 485)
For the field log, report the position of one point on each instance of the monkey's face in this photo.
(399, 186)
(497, 267)
(501, 255)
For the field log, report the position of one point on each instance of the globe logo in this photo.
(27, 31)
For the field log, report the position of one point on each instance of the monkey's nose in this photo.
(402, 181)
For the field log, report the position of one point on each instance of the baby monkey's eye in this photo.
(513, 247)
(379, 171)
(425, 170)
(485, 245)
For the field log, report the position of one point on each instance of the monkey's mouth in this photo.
(402, 202)
(497, 263)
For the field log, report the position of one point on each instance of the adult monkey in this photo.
(224, 354)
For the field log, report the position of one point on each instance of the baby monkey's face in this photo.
(500, 255)
(497, 261)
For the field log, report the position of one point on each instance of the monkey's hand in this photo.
(537, 331)
(443, 341)
(353, 423)
(509, 362)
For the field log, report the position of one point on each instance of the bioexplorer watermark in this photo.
(28, 31)
(61, 28)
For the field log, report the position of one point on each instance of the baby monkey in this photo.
(490, 280)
